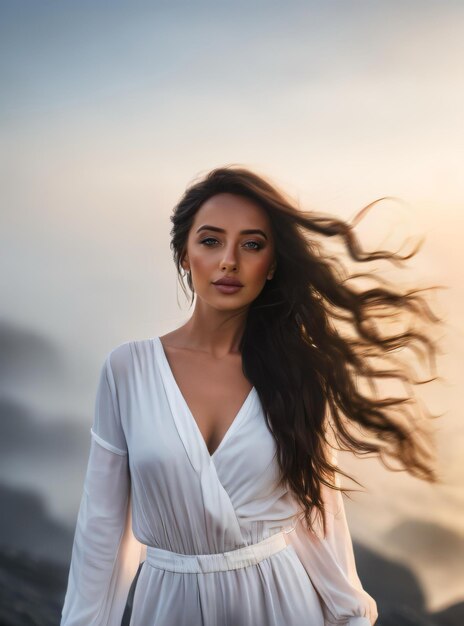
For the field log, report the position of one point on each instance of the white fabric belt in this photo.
(222, 561)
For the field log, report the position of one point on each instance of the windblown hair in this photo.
(307, 372)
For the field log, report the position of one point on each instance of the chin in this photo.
(229, 304)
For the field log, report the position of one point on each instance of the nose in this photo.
(229, 262)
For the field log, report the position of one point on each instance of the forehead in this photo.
(229, 211)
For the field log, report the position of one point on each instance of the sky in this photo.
(109, 110)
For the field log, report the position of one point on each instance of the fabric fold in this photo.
(330, 564)
(105, 555)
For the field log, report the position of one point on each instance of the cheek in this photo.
(201, 263)
(259, 268)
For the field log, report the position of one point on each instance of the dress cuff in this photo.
(358, 621)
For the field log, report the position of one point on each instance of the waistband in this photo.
(219, 562)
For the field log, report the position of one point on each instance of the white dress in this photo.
(151, 481)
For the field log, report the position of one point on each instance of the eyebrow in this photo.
(248, 231)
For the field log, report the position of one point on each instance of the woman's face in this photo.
(218, 247)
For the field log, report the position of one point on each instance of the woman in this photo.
(212, 457)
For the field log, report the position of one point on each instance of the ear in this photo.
(271, 271)
(185, 261)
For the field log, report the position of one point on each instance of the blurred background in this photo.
(108, 110)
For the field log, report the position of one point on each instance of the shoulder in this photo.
(123, 358)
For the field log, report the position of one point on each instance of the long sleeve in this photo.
(330, 563)
(105, 554)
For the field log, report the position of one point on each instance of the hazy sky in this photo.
(109, 109)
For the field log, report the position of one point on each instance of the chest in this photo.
(213, 389)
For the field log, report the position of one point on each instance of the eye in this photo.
(256, 243)
(203, 241)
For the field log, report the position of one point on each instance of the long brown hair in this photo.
(307, 372)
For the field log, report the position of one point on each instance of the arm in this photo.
(105, 554)
(331, 566)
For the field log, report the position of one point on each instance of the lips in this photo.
(230, 282)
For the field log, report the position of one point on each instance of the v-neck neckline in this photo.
(233, 425)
